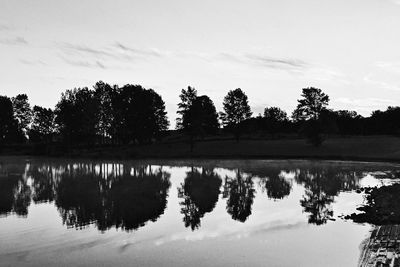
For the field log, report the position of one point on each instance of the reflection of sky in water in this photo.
(276, 232)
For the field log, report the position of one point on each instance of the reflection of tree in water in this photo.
(15, 194)
(199, 192)
(276, 186)
(43, 184)
(127, 199)
(240, 193)
(321, 187)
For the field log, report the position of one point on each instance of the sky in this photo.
(271, 49)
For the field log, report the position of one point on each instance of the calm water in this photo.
(184, 213)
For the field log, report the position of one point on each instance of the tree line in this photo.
(108, 114)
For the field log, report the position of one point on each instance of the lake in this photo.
(56, 212)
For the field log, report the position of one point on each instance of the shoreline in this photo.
(356, 148)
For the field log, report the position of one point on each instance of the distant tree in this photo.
(22, 112)
(308, 111)
(348, 122)
(201, 118)
(275, 114)
(104, 93)
(43, 125)
(77, 116)
(187, 97)
(236, 110)
(313, 102)
(275, 119)
(8, 124)
(385, 122)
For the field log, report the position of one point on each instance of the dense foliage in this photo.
(132, 114)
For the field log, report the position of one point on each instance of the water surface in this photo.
(194, 212)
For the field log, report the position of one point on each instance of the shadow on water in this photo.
(107, 195)
(126, 196)
(240, 193)
(199, 193)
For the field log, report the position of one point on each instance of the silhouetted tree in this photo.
(236, 110)
(199, 192)
(22, 112)
(139, 114)
(43, 125)
(187, 97)
(313, 102)
(200, 118)
(104, 93)
(8, 125)
(308, 111)
(275, 119)
(275, 114)
(77, 116)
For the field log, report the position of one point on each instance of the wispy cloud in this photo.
(14, 41)
(4, 27)
(84, 50)
(100, 57)
(32, 62)
(277, 63)
(83, 63)
(139, 52)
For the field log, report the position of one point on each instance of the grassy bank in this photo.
(374, 148)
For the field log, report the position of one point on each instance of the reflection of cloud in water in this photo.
(224, 231)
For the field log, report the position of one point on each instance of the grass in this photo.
(374, 148)
(355, 148)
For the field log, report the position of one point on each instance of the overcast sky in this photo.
(271, 49)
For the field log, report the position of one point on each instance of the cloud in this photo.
(397, 2)
(138, 52)
(86, 64)
(4, 27)
(287, 64)
(84, 50)
(32, 62)
(14, 41)
(277, 63)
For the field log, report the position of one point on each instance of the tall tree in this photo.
(201, 118)
(8, 125)
(139, 114)
(77, 115)
(104, 93)
(22, 112)
(43, 124)
(187, 97)
(310, 106)
(236, 110)
(309, 110)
